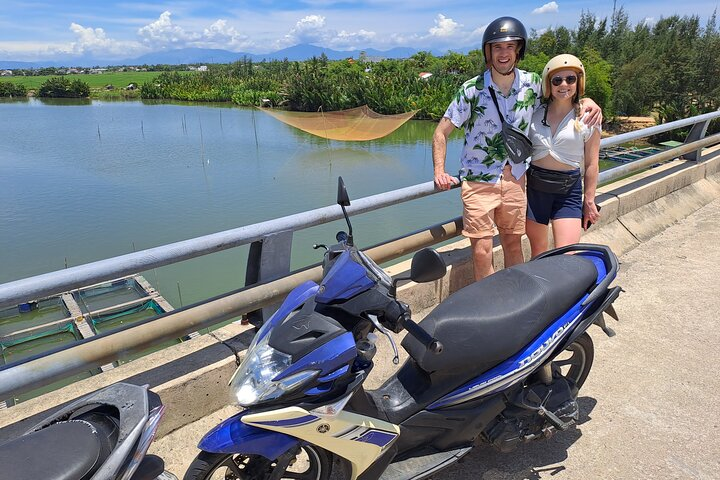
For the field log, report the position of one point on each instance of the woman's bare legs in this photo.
(566, 231)
(537, 233)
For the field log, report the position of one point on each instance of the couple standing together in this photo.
(565, 136)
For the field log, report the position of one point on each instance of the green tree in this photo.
(598, 79)
(8, 89)
(674, 40)
(534, 63)
(708, 77)
(423, 60)
(61, 87)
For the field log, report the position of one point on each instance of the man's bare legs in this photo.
(512, 248)
(482, 257)
(482, 253)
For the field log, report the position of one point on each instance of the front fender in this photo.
(233, 436)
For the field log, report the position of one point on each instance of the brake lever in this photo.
(386, 332)
(320, 245)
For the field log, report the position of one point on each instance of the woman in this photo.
(562, 146)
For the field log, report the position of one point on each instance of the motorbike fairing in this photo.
(358, 438)
(233, 436)
(345, 279)
(305, 332)
(296, 298)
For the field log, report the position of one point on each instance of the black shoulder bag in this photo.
(517, 144)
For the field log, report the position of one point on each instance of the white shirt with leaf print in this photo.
(483, 156)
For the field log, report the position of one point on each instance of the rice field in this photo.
(96, 81)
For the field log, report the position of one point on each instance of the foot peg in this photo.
(554, 419)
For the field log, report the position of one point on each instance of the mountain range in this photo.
(207, 55)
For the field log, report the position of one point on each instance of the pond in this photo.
(86, 180)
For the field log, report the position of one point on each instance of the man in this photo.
(493, 193)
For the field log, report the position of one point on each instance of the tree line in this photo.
(669, 68)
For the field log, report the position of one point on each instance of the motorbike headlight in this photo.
(253, 382)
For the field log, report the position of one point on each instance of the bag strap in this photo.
(494, 99)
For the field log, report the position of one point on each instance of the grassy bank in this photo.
(97, 82)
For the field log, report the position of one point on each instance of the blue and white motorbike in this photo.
(499, 361)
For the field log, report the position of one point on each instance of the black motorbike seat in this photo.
(62, 451)
(488, 321)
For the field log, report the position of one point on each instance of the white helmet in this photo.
(563, 62)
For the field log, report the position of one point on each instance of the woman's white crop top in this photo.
(566, 146)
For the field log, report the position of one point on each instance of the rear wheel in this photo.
(307, 463)
(575, 361)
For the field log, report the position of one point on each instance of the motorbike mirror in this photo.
(343, 199)
(427, 265)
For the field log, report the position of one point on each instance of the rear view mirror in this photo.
(427, 265)
(343, 199)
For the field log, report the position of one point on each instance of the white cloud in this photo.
(478, 32)
(313, 29)
(163, 33)
(649, 22)
(350, 40)
(308, 29)
(221, 35)
(551, 7)
(444, 27)
(95, 41)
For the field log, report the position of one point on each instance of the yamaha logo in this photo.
(323, 428)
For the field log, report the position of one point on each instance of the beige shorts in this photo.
(486, 205)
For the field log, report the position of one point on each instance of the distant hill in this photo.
(208, 55)
(186, 56)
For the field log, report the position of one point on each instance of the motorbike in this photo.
(499, 361)
(102, 436)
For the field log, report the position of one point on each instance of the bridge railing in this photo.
(268, 266)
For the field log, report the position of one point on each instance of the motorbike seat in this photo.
(488, 321)
(62, 451)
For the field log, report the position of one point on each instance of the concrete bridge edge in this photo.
(191, 378)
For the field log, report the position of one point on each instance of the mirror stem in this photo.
(350, 232)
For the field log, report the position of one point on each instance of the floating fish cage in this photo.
(625, 155)
(58, 321)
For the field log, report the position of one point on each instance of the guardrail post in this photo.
(269, 259)
(697, 132)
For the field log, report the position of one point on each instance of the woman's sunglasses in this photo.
(558, 80)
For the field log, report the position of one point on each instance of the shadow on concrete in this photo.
(530, 461)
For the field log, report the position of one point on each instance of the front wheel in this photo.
(307, 463)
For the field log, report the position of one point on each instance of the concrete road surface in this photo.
(650, 408)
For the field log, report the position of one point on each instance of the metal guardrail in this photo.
(39, 286)
(37, 371)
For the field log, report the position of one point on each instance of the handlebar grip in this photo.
(429, 342)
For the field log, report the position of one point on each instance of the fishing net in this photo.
(149, 305)
(355, 124)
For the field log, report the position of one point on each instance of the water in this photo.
(85, 180)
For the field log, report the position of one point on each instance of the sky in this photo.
(32, 30)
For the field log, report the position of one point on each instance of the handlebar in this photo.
(397, 316)
(428, 341)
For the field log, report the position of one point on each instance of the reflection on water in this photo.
(110, 177)
(64, 102)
